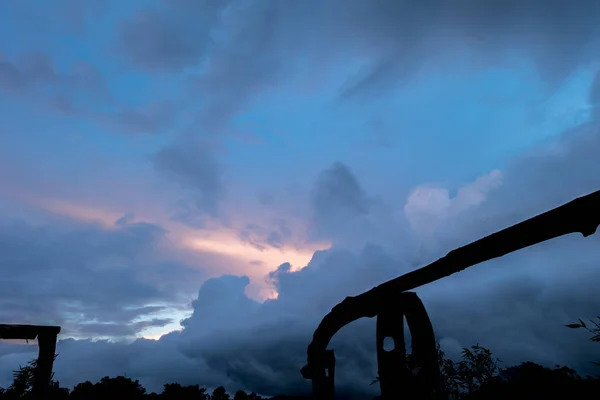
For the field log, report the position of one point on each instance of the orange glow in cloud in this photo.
(253, 262)
(227, 243)
(77, 211)
(227, 253)
(239, 256)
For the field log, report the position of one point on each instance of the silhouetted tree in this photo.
(174, 391)
(476, 376)
(220, 394)
(477, 366)
(84, 391)
(22, 385)
(119, 386)
(535, 381)
(240, 395)
(595, 330)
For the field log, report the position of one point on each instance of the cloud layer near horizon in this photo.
(180, 161)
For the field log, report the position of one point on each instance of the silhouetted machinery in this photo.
(391, 303)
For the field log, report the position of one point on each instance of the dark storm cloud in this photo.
(278, 237)
(245, 48)
(151, 118)
(338, 189)
(344, 213)
(223, 302)
(71, 275)
(32, 69)
(194, 166)
(171, 37)
(118, 330)
(595, 97)
(251, 235)
(595, 91)
(71, 92)
(516, 305)
(523, 299)
(260, 237)
(185, 33)
(72, 17)
(337, 197)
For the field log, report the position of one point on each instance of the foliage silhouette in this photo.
(220, 394)
(475, 376)
(174, 391)
(595, 331)
(22, 385)
(535, 381)
(477, 367)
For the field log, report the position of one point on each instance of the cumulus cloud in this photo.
(517, 305)
(527, 296)
(90, 280)
(427, 206)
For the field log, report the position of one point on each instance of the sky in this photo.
(188, 186)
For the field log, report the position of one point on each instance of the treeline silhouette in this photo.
(476, 376)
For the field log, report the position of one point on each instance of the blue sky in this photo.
(152, 152)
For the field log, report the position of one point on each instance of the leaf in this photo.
(574, 326)
(374, 381)
(583, 323)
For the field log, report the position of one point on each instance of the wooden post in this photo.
(323, 382)
(426, 382)
(391, 363)
(47, 337)
(396, 378)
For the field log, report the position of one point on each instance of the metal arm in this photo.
(580, 215)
